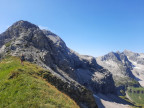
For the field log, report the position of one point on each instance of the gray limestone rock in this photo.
(121, 66)
(49, 51)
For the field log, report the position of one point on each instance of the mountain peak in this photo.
(127, 51)
(111, 54)
(49, 51)
(23, 24)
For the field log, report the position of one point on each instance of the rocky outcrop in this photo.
(137, 57)
(79, 93)
(117, 63)
(121, 66)
(49, 51)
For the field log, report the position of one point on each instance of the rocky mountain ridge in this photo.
(124, 66)
(49, 51)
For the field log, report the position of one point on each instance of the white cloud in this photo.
(43, 27)
(46, 28)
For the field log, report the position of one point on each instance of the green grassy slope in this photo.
(136, 95)
(21, 87)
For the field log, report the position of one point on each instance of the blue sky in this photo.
(90, 27)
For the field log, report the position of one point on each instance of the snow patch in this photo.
(138, 71)
(141, 83)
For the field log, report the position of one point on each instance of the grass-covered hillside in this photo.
(136, 95)
(22, 87)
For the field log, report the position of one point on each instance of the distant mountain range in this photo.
(124, 66)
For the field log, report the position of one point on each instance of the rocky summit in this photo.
(125, 66)
(49, 51)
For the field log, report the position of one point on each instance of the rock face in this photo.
(124, 66)
(49, 51)
(79, 93)
(137, 60)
